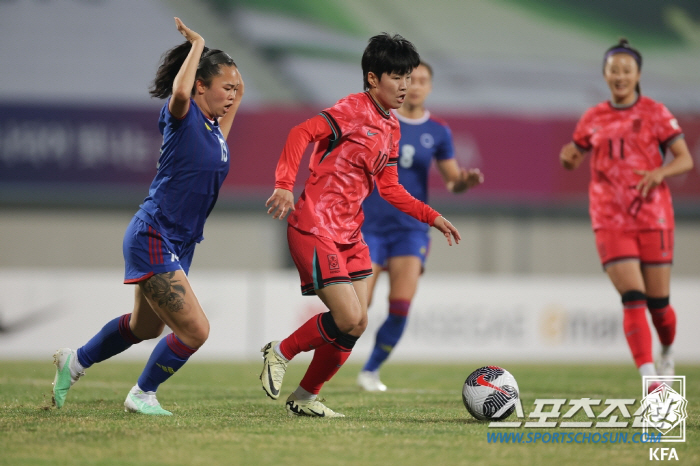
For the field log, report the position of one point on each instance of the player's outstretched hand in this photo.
(189, 34)
(447, 229)
(467, 179)
(472, 177)
(280, 203)
(570, 157)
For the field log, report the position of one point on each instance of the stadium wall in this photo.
(488, 320)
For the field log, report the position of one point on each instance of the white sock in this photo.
(303, 395)
(666, 350)
(647, 369)
(277, 351)
(75, 366)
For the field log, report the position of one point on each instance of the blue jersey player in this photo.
(204, 90)
(397, 242)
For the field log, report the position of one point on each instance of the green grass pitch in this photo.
(222, 417)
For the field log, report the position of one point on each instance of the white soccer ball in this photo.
(490, 393)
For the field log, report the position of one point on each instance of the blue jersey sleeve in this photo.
(445, 148)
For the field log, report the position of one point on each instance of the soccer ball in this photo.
(490, 393)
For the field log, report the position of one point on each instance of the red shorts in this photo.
(322, 262)
(649, 247)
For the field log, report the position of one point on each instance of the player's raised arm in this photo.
(185, 78)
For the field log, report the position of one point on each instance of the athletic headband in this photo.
(628, 51)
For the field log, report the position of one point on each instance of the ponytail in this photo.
(172, 60)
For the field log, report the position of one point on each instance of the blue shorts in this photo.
(147, 253)
(383, 247)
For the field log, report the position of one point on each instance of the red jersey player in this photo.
(356, 145)
(630, 203)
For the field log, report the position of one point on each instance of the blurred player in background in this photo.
(397, 242)
(205, 90)
(356, 144)
(630, 203)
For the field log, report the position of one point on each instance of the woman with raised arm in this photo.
(203, 88)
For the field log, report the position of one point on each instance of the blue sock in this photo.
(114, 338)
(388, 334)
(169, 355)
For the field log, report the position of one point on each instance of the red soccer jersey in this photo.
(622, 140)
(356, 145)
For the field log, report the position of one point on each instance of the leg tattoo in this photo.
(165, 291)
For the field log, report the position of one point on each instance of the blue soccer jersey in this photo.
(193, 163)
(422, 140)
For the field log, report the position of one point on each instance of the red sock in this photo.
(663, 317)
(316, 332)
(326, 362)
(636, 328)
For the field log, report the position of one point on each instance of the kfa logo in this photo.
(636, 125)
(665, 408)
(333, 262)
(661, 454)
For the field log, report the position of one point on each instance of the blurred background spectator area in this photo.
(512, 77)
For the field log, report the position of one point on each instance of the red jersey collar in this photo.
(624, 107)
(386, 114)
